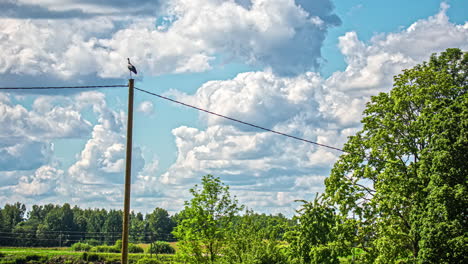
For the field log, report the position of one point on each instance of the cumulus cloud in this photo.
(24, 155)
(42, 182)
(26, 135)
(283, 35)
(103, 158)
(267, 171)
(146, 107)
(371, 67)
(83, 9)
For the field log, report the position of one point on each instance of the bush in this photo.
(91, 257)
(132, 248)
(92, 242)
(81, 247)
(105, 249)
(161, 247)
(148, 261)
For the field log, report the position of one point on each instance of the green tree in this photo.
(320, 235)
(160, 225)
(138, 227)
(112, 227)
(404, 174)
(253, 238)
(94, 226)
(205, 221)
(12, 215)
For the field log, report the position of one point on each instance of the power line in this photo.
(242, 122)
(61, 87)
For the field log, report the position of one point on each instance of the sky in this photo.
(301, 67)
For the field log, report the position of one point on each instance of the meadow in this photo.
(19, 255)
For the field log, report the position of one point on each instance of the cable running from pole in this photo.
(242, 122)
(61, 87)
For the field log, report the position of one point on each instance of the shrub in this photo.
(148, 261)
(81, 247)
(161, 247)
(105, 249)
(132, 248)
(93, 257)
(92, 242)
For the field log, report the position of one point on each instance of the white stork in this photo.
(131, 68)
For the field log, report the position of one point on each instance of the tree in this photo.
(95, 224)
(160, 225)
(205, 221)
(404, 174)
(137, 228)
(112, 227)
(320, 235)
(12, 215)
(253, 238)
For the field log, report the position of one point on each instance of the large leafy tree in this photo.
(254, 238)
(205, 221)
(404, 177)
(321, 235)
(160, 225)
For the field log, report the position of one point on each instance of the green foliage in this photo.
(81, 247)
(160, 224)
(24, 259)
(404, 175)
(319, 234)
(92, 242)
(148, 261)
(249, 240)
(205, 221)
(161, 247)
(106, 249)
(132, 248)
(91, 257)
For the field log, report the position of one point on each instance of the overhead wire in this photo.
(61, 87)
(240, 121)
(187, 105)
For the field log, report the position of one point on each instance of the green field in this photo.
(10, 255)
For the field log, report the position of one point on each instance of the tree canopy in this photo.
(205, 221)
(404, 174)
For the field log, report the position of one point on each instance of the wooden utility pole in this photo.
(128, 174)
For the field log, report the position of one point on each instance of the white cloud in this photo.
(103, 157)
(146, 107)
(279, 34)
(268, 171)
(371, 67)
(42, 182)
(25, 135)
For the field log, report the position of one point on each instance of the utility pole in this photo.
(128, 174)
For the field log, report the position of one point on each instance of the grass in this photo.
(20, 255)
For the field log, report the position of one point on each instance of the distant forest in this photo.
(63, 225)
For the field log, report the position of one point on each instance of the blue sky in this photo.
(302, 67)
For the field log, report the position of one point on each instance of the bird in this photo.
(131, 68)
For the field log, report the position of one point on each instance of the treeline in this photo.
(61, 225)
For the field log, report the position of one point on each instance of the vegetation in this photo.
(204, 222)
(161, 247)
(404, 179)
(398, 195)
(56, 226)
(63, 255)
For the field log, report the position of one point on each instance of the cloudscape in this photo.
(305, 68)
